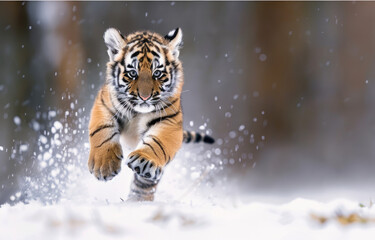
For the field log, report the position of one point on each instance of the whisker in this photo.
(163, 107)
(166, 102)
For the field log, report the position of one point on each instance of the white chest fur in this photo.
(132, 132)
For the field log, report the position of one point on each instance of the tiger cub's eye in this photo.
(132, 74)
(156, 74)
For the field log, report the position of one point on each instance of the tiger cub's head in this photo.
(144, 71)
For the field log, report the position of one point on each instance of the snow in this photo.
(52, 114)
(17, 120)
(57, 125)
(232, 134)
(43, 139)
(35, 125)
(24, 148)
(184, 208)
(164, 219)
(262, 57)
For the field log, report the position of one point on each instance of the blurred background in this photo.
(287, 89)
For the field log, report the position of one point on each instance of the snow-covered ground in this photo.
(166, 220)
(99, 210)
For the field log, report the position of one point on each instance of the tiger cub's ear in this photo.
(114, 41)
(174, 39)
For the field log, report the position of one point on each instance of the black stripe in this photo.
(173, 83)
(154, 39)
(155, 53)
(114, 114)
(174, 64)
(135, 54)
(143, 185)
(120, 123)
(169, 159)
(147, 144)
(119, 120)
(101, 128)
(165, 80)
(127, 105)
(146, 48)
(135, 158)
(118, 78)
(208, 139)
(114, 67)
(127, 88)
(168, 85)
(167, 105)
(135, 38)
(108, 139)
(188, 139)
(118, 73)
(157, 48)
(105, 105)
(158, 143)
(159, 119)
(123, 102)
(144, 166)
(198, 137)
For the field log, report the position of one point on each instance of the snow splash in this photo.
(57, 155)
(60, 152)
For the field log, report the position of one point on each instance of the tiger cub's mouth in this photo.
(144, 107)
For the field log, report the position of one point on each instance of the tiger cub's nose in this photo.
(145, 98)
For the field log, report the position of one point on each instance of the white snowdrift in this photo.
(164, 220)
(181, 210)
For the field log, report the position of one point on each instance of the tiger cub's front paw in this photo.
(144, 167)
(105, 161)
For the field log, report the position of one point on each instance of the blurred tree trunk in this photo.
(16, 93)
(355, 58)
(281, 80)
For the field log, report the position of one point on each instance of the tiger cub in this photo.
(139, 108)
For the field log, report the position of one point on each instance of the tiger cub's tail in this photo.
(195, 137)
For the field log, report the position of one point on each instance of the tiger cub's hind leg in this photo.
(142, 189)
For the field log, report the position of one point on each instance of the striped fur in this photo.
(140, 103)
(195, 137)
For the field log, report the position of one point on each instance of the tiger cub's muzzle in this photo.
(145, 85)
